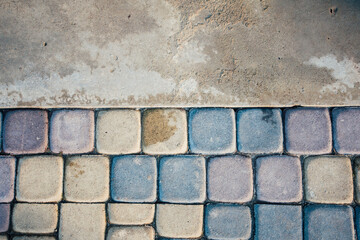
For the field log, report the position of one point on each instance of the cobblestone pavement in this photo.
(204, 173)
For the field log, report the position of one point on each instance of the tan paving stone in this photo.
(4, 238)
(133, 233)
(33, 238)
(131, 214)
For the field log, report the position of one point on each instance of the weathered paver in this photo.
(82, 221)
(72, 131)
(308, 131)
(39, 179)
(259, 131)
(131, 214)
(179, 221)
(4, 237)
(133, 233)
(25, 132)
(34, 218)
(164, 131)
(134, 179)
(33, 238)
(278, 179)
(357, 221)
(118, 132)
(227, 222)
(328, 179)
(212, 131)
(329, 222)
(182, 179)
(230, 179)
(278, 222)
(357, 179)
(7, 178)
(4, 217)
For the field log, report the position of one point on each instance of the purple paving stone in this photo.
(7, 176)
(346, 126)
(278, 179)
(72, 131)
(230, 179)
(25, 132)
(4, 217)
(308, 131)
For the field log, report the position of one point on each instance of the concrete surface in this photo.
(102, 53)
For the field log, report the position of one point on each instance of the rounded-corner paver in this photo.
(133, 233)
(7, 178)
(4, 217)
(131, 213)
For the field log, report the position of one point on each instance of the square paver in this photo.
(82, 221)
(34, 218)
(133, 179)
(39, 179)
(7, 178)
(329, 222)
(4, 217)
(212, 131)
(259, 131)
(179, 221)
(72, 131)
(164, 131)
(25, 132)
(308, 131)
(230, 179)
(278, 179)
(182, 179)
(87, 179)
(328, 179)
(278, 222)
(118, 132)
(227, 222)
(133, 233)
(131, 214)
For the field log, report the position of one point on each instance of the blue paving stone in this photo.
(7, 177)
(227, 221)
(329, 222)
(4, 217)
(182, 179)
(278, 222)
(259, 131)
(212, 131)
(133, 179)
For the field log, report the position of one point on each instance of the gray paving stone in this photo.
(329, 222)
(25, 132)
(308, 131)
(212, 131)
(227, 222)
(131, 214)
(278, 179)
(182, 179)
(133, 233)
(259, 131)
(357, 179)
(7, 178)
(273, 222)
(33, 238)
(4, 217)
(357, 221)
(230, 179)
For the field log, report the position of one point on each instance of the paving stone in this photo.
(308, 131)
(164, 131)
(25, 132)
(179, 221)
(39, 179)
(133, 179)
(329, 222)
(182, 179)
(278, 222)
(278, 179)
(227, 221)
(72, 131)
(357, 221)
(4, 237)
(33, 238)
(328, 179)
(357, 179)
(82, 221)
(346, 128)
(212, 131)
(7, 178)
(131, 214)
(230, 179)
(4, 217)
(259, 131)
(118, 132)
(34, 218)
(87, 179)
(133, 233)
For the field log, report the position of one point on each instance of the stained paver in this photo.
(4, 217)
(131, 214)
(7, 178)
(133, 233)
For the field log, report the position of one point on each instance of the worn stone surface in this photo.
(131, 214)
(7, 178)
(32, 238)
(4, 237)
(133, 233)
(4, 217)
(357, 179)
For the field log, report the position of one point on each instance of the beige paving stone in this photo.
(179, 221)
(39, 179)
(131, 214)
(82, 221)
(118, 132)
(4, 237)
(34, 218)
(133, 233)
(87, 179)
(33, 238)
(328, 179)
(164, 131)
